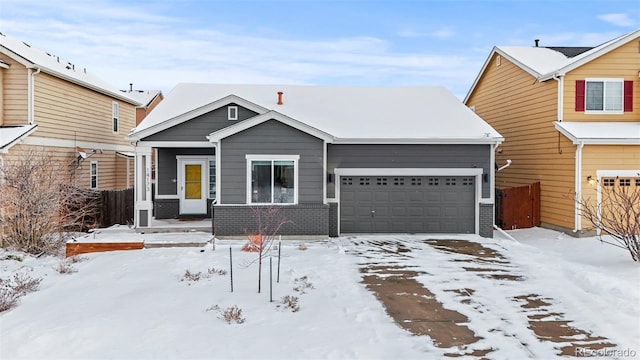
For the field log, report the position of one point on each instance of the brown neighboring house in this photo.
(53, 105)
(148, 98)
(571, 119)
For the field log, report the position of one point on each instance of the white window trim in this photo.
(232, 112)
(603, 112)
(115, 117)
(294, 158)
(91, 175)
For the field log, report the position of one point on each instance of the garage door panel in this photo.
(407, 204)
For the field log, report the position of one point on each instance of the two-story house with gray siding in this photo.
(333, 160)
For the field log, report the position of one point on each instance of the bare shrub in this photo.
(191, 276)
(39, 204)
(214, 271)
(12, 289)
(66, 267)
(618, 215)
(302, 284)
(231, 314)
(290, 302)
(267, 222)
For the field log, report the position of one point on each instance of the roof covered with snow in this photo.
(10, 134)
(144, 97)
(54, 65)
(601, 132)
(400, 114)
(544, 63)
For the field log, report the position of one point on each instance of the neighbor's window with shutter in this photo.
(613, 96)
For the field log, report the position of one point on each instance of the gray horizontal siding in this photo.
(274, 138)
(168, 167)
(199, 127)
(408, 156)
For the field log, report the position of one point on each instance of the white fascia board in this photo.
(408, 171)
(477, 79)
(453, 141)
(594, 141)
(169, 123)
(259, 119)
(175, 144)
(620, 173)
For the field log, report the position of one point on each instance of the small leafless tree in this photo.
(37, 203)
(267, 223)
(618, 215)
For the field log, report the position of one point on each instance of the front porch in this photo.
(176, 225)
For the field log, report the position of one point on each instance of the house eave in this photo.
(5, 149)
(455, 141)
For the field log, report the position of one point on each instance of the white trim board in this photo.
(39, 141)
(408, 171)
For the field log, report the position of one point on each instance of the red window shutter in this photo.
(580, 95)
(628, 95)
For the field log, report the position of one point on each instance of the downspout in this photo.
(577, 226)
(560, 79)
(31, 94)
(493, 186)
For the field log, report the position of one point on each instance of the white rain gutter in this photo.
(578, 185)
(31, 94)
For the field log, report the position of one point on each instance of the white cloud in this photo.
(443, 33)
(127, 44)
(619, 19)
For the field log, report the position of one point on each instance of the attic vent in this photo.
(232, 113)
(498, 60)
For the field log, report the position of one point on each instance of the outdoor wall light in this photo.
(591, 180)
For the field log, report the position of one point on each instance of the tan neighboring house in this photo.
(571, 120)
(47, 103)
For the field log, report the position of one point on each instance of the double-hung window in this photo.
(272, 179)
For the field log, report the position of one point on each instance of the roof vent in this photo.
(536, 41)
(280, 97)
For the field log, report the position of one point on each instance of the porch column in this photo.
(142, 173)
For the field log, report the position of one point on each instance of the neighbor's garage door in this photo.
(407, 204)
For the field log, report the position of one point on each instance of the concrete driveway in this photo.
(473, 301)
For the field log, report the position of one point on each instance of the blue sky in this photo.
(157, 44)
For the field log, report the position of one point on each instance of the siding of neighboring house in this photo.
(623, 62)
(125, 170)
(523, 111)
(605, 157)
(283, 140)
(408, 156)
(199, 127)
(67, 111)
(14, 93)
(143, 111)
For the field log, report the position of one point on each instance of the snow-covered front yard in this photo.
(139, 304)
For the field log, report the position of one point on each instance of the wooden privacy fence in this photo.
(116, 207)
(518, 207)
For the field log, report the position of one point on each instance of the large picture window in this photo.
(604, 95)
(272, 180)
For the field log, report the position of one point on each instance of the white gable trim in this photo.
(494, 51)
(195, 113)
(592, 54)
(271, 115)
